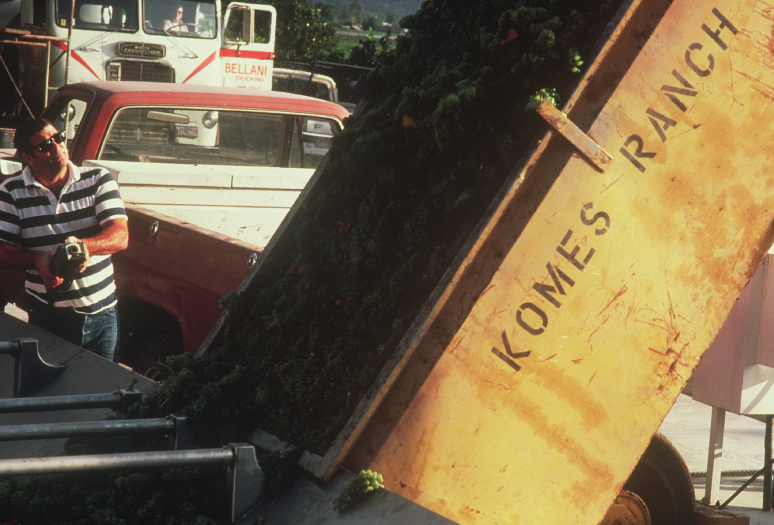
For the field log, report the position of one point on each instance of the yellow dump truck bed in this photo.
(536, 379)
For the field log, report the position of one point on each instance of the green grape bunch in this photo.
(575, 62)
(542, 94)
(361, 485)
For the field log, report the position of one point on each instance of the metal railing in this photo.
(31, 372)
(118, 401)
(177, 428)
(246, 477)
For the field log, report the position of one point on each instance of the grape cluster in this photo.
(358, 488)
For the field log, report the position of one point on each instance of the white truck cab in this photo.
(174, 41)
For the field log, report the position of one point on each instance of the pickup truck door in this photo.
(247, 54)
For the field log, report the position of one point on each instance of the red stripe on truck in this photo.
(236, 53)
(63, 47)
(207, 62)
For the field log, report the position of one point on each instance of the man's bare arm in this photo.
(15, 258)
(113, 238)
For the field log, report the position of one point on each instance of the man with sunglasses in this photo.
(51, 200)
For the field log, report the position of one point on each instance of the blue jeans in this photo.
(95, 332)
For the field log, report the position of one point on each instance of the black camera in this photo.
(68, 257)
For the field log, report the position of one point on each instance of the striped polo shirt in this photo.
(32, 218)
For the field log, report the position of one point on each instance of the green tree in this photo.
(369, 51)
(329, 13)
(371, 21)
(301, 30)
(355, 12)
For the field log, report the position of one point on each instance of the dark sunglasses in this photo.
(48, 144)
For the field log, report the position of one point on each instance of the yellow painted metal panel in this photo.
(539, 407)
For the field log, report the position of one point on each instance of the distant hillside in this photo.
(404, 7)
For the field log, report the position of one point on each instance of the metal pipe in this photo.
(42, 404)
(70, 23)
(60, 430)
(10, 347)
(50, 465)
(767, 466)
(48, 74)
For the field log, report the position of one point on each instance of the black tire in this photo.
(150, 360)
(662, 480)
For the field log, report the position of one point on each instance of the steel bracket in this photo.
(31, 372)
(247, 481)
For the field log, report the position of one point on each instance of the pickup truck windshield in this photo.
(99, 15)
(180, 18)
(226, 137)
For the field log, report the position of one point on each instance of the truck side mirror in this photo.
(10, 166)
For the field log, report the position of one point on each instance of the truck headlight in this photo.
(114, 72)
(210, 119)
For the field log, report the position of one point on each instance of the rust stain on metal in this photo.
(611, 184)
(600, 325)
(674, 358)
(654, 324)
(491, 286)
(622, 291)
(554, 378)
(598, 475)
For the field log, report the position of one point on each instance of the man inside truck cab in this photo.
(53, 203)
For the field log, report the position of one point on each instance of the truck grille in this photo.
(140, 70)
(129, 133)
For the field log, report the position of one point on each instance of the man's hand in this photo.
(86, 262)
(43, 266)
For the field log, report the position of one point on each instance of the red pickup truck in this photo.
(207, 174)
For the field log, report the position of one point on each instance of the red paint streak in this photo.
(78, 58)
(486, 290)
(622, 291)
(236, 53)
(207, 62)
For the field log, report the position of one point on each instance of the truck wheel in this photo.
(662, 480)
(628, 509)
(150, 360)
